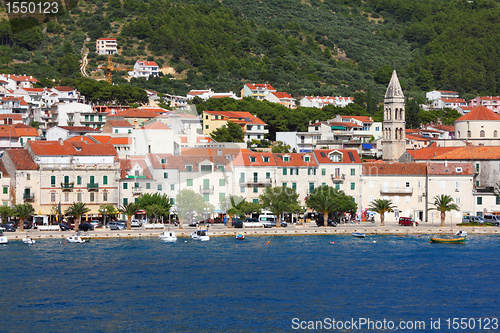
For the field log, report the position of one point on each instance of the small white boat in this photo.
(29, 241)
(359, 234)
(78, 238)
(3, 239)
(240, 236)
(201, 235)
(168, 237)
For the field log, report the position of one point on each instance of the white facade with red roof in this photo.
(322, 101)
(282, 98)
(32, 96)
(61, 94)
(450, 103)
(491, 102)
(253, 127)
(257, 90)
(106, 46)
(144, 69)
(479, 123)
(14, 82)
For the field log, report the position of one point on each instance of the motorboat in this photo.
(78, 238)
(168, 236)
(3, 239)
(359, 234)
(29, 241)
(201, 235)
(240, 236)
(452, 240)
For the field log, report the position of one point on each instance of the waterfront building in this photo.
(479, 123)
(253, 127)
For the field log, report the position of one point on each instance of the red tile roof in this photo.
(38, 90)
(281, 94)
(453, 100)
(85, 129)
(471, 153)
(80, 148)
(17, 131)
(22, 78)
(429, 153)
(21, 159)
(156, 125)
(403, 169)
(107, 39)
(479, 113)
(346, 157)
(64, 88)
(236, 116)
(80, 138)
(245, 159)
(3, 170)
(450, 168)
(119, 123)
(136, 113)
(148, 63)
(256, 86)
(360, 118)
(14, 116)
(295, 160)
(121, 141)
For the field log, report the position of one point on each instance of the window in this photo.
(323, 184)
(481, 134)
(165, 175)
(78, 180)
(266, 159)
(206, 168)
(242, 189)
(105, 180)
(125, 201)
(125, 186)
(172, 187)
(159, 187)
(256, 201)
(5, 190)
(189, 168)
(255, 177)
(116, 131)
(189, 182)
(353, 172)
(311, 187)
(479, 200)
(268, 175)
(323, 172)
(307, 159)
(91, 118)
(252, 159)
(148, 186)
(498, 201)
(457, 201)
(284, 171)
(477, 167)
(136, 185)
(242, 177)
(337, 186)
(92, 179)
(285, 184)
(222, 196)
(206, 197)
(294, 186)
(172, 201)
(286, 158)
(407, 184)
(163, 160)
(255, 189)
(104, 196)
(53, 197)
(206, 126)
(353, 186)
(92, 196)
(220, 168)
(222, 182)
(53, 181)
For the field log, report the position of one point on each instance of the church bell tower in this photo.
(394, 138)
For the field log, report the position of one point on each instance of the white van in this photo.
(493, 219)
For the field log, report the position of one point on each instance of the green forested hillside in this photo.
(304, 47)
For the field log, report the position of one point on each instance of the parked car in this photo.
(493, 219)
(117, 226)
(86, 226)
(96, 223)
(136, 223)
(472, 219)
(66, 226)
(407, 221)
(320, 222)
(237, 223)
(193, 223)
(253, 223)
(9, 227)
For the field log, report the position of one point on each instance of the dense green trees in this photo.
(232, 132)
(279, 200)
(326, 200)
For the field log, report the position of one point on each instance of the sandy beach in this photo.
(219, 230)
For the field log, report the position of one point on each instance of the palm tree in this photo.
(444, 203)
(381, 206)
(23, 211)
(6, 212)
(129, 209)
(322, 200)
(77, 209)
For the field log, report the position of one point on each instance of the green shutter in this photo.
(105, 180)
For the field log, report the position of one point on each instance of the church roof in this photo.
(479, 113)
(394, 88)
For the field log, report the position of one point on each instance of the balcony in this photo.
(338, 178)
(29, 197)
(207, 189)
(67, 187)
(258, 183)
(93, 186)
(396, 190)
(136, 190)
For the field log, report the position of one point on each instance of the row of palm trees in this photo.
(442, 203)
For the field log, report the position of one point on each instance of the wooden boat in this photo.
(455, 240)
(168, 237)
(201, 235)
(240, 236)
(359, 234)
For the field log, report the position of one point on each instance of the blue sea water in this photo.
(257, 285)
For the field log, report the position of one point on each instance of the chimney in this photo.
(61, 142)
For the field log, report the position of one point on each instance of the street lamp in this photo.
(104, 210)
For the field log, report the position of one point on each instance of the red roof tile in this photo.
(295, 160)
(429, 153)
(3, 170)
(136, 113)
(479, 113)
(236, 116)
(81, 148)
(148, 63)
(256, 86)
(80, 138)
(21, 159)
(119, 123)
(386, 169)
(79, 129)
(322, 155)
(450, 168)
(64, 88)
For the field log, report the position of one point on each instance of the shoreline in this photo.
(293, 230)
